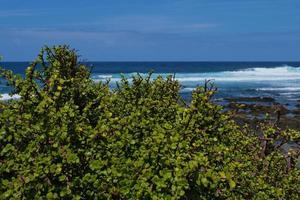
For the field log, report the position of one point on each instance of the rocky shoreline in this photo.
(252, 110)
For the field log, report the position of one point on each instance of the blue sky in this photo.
(153, 30)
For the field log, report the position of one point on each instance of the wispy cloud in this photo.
(17, 13)
(154, 24)
(231, 4)
(106, 38)
(202, 26)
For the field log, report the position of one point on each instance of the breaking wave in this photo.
(283, 73)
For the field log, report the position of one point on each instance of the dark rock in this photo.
(251, 99)
(298, 162)
(289, 147)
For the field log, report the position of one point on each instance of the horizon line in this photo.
(157, 61)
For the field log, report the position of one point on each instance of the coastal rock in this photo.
(298, 162)
(251, 99)
(289, 147)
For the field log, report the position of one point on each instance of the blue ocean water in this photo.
(280, 80)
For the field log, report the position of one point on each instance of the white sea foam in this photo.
(281, 89)
(5, 97)
(253, 74)
(283, 73)
(104, 76)
(188, 89)
(290, 94)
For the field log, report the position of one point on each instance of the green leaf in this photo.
(232, 184)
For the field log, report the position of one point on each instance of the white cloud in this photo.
(154, 24)
(16, 13)
(202, 26)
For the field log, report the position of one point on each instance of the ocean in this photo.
(279, 80)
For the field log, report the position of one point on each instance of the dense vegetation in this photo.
(68, 137)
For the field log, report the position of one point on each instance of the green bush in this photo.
(68, 137)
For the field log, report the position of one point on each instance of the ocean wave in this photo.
(187, 89)
(281, 73)
(280, 89)
(5, 97)
(103, 76)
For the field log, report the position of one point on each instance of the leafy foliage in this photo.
(71, 138)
